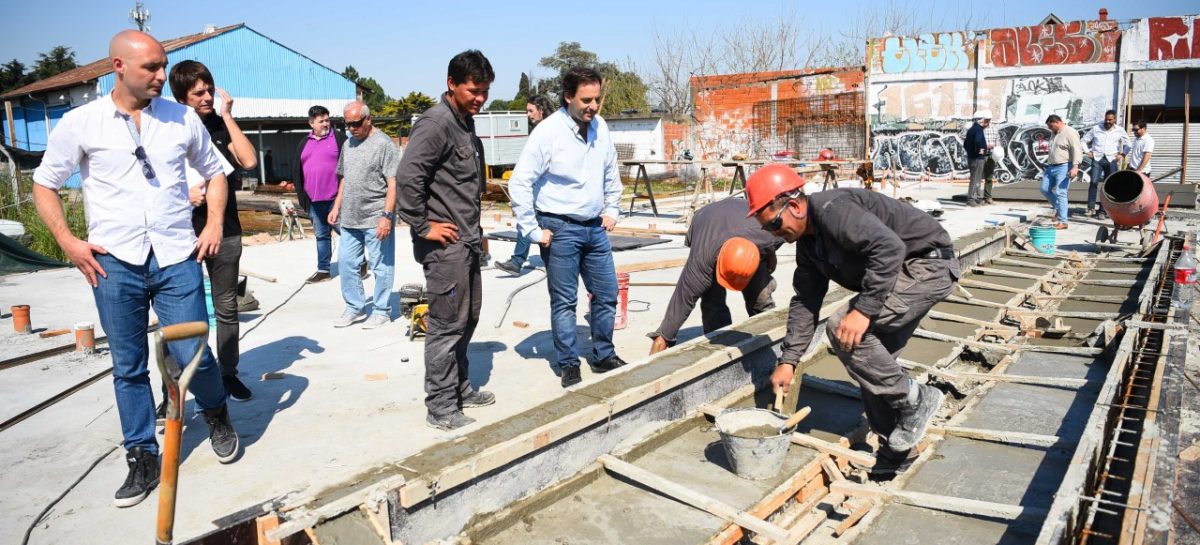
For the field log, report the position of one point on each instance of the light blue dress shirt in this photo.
(560, 173)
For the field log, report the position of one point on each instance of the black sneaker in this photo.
(448, 422)
(237, 390)
(319, 276)
(160, 414)
(362, 271)
(570, 376)
(914, 418)
(607, 364)
(478, 398)
(142, 477)
(221, 435)
(509, 267)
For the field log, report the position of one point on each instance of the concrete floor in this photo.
(350, 400)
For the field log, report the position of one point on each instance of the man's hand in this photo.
(1074, 172)
(608, 223)
(196, 193)
(332, 217)
(547, 236)
(208, 243)
(383, 229)
(850, 331)
(781, 379)
(442, 233)
(226, 103)
(658, 345)
(80, 252)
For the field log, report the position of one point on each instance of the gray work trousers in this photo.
(714, 313)
(455, 290)
(883, 384)
(223, 276)
(975, 188)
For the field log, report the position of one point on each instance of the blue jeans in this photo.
(1101, 170)
(381, 257)
(1054, 188)
(123, 300)
(521, 252)
(318, 212)
(579, 249)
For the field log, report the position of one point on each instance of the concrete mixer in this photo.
(1130, 200)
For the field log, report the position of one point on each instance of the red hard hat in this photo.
(768, 182)
(826, 155)
(737, 263)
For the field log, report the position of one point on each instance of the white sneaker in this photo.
(348, 318)
(376, 320)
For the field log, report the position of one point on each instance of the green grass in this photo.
(40, 239)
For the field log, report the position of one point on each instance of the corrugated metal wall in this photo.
(1168, 150)
(248, 64)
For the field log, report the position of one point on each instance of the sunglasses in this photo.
(775, 224)
(147, 170)
(355, 124)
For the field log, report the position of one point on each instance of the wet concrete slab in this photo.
(902, 524)
(979, 470)
(926, 351)
(948, 327)
(1059, 411)
(979, 312)
(1012, 282)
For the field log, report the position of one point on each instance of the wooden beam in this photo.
(855, 516)
(1058, 382)
(1019, 263)
(693, 498)
(651, 265)
(967, 320)
(950, 504)
(991, 286)
(1009, 347)
(1007, 437)
(833, 449)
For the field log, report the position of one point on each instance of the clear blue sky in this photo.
(406, 45)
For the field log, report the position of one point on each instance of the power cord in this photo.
(38, 519)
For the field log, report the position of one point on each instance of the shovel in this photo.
(174, 425)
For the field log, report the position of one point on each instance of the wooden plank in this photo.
(968, 320)
(1019, 263)
(950, 504)
(693, 498)
(994, 377)
(855, 516)
(833, 449)
(1133, 524)
(264, 524)
(651, 265)
(805, 479)
(990, 286)
(1007, 437)
(1009, 348)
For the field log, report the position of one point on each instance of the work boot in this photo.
(237, 390)
(221, 435)
(509, 267)
(989, 201)
(888, 463)
(142, 477)
(448, 422)
(914, 418)
(570, 376)
(478, 398)
(607, 364)
(319, 276)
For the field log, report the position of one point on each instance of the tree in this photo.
(373, 94)
(12, 75)
(403, 110)
(58, 60)
(623, 89)
(523, 91)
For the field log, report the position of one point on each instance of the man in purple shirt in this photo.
(315, 176)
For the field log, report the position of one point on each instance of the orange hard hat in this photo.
(768, 182)
(737, 263)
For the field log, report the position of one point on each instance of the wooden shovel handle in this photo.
(186, 330)
(779, 393)
(796, 418)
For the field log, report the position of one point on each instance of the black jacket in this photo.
(298, 169)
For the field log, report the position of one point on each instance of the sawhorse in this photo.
(291, 220)
(640, 178)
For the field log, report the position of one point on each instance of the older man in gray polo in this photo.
(364, 208)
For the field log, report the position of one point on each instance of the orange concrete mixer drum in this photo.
(1129, 198)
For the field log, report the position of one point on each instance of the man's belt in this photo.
(586, 223)
(936, 253)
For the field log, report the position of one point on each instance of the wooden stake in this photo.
(651, 266)
(821, 445)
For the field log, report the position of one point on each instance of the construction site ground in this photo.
(341, 401)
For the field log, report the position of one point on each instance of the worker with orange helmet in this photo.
(729, 251)
(900, 261)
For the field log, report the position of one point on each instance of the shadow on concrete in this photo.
(540, 345)
(251, 418)
(715, 454)
(481, 356)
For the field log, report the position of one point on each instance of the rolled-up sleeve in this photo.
(804, 309)
(62, 155)
(422, 157)
(861, 232)
(531, 165)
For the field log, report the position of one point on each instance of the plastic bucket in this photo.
(1043, 238)
(754, 452)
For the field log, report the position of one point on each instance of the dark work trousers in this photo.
(989, 176)
(714, 313)
(223, 275)
(1101, 170)
(974, 191)
(882, 383)
(455, 289)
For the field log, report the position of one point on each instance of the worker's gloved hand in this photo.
(658, 345)
(781, 379)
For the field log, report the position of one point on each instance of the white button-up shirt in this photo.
(1104, 143)
(560, 173)
(129, 215)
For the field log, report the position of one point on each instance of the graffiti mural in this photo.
(1076, 42)
(921, 100)
(939, 155)
(944, 51)
(1173, 38)
(1079, 100)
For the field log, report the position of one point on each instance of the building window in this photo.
(514, 124)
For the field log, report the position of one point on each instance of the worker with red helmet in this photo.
(729, 251)
(900, 261)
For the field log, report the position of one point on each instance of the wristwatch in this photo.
(391, 216)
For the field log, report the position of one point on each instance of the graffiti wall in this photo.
(946, 51)
(1078, 99)
(1162, 39)
(1077, 42)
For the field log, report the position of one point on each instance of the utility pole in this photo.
(140, 15)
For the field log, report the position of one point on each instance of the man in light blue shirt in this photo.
(566, 194)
